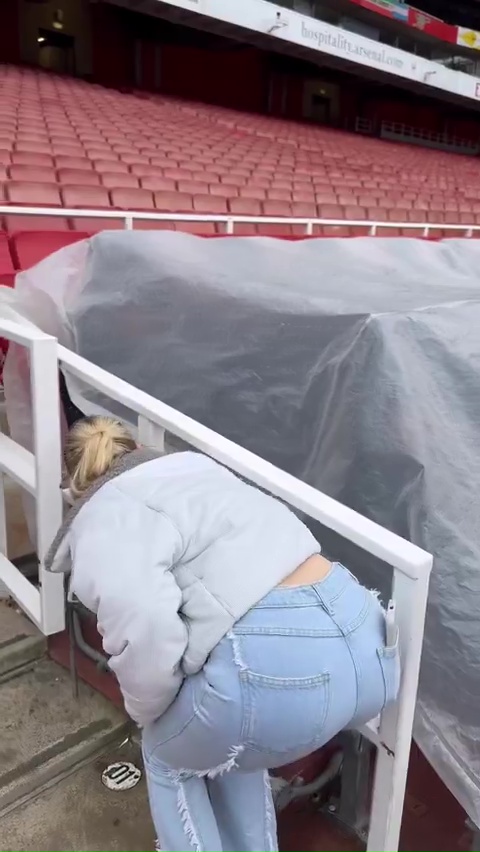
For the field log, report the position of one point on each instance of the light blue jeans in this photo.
(302, 665)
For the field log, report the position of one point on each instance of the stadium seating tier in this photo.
(68, 143)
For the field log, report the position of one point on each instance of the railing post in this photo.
(48, 467)
(150, 434)
(396, 724)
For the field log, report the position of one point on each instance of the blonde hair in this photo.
(92, 446)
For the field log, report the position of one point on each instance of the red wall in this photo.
(9, 31)
(112, 47)
(231, 77)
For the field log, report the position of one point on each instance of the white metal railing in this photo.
(129, 217)
(40, 474)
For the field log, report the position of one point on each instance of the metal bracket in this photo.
(352, 809)
(285, 792)
(77, 640)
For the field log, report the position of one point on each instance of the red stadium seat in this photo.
(206, 176)
(277, 208)
(83, 177)
(35, 223)
(157, 183)
(30, 247)
(146, 170)
(210, 204)
(255, 192)
(245, 207)
(22, 158)
(30, 194)
(173, 202)
(114, 180)
(178, 174)
(355, 213)
(304, 209)
(279, 195)
(162, 159)
(37, 148)
(192, 187)
(278, 230)
(32, 174)
(330, 211)
(132, 199)
(60, 150)
(95, 224)
(224, 190)
(102, 166)
(234, 180)
(66, 162)
(7, 270)
(133, 159)
(203, 229)
(85, 196)
(101, 154)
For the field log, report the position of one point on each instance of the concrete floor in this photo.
(79, 814)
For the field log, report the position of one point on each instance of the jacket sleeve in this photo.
(122, 555)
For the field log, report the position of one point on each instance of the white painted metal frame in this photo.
(129, 217)
(411, 570)
(39, 473)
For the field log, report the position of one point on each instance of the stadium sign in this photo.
(261, 16)
(388, 8)
(468, 38)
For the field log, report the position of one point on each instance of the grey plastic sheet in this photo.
(353, 364)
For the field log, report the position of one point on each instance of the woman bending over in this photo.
(238, 648)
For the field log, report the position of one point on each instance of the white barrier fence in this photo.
(228, 223)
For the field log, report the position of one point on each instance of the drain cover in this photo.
(121, 776)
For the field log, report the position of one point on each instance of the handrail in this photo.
(129, 217)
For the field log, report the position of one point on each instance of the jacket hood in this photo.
(57, 559)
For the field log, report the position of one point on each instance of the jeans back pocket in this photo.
(285, 714)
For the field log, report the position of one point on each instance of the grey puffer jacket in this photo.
(169, 553)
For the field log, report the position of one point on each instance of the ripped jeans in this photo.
(302, 665)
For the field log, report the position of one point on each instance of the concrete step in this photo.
(21, 644)
(45, 732)
(80, 813)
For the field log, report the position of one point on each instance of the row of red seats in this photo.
(24, 249)
(97, 198)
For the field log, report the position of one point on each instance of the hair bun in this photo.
(92, 446)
